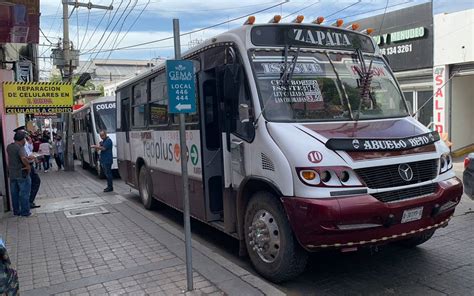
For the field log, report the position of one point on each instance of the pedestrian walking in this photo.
(35, 178)
(106, 158)
(19, 173)
(45, 151)
(36, 144)
(59, 152)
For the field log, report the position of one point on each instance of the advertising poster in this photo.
(37, 97)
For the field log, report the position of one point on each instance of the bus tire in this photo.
(415, 241)
(145, 188)
(271, 245)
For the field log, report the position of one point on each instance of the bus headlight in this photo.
(311, 177)
(329, 177)
(445, 163)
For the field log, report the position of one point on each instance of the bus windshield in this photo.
(310, 85)
(104, 116)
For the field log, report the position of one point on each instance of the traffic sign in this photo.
(181, 91)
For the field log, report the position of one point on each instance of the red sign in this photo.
(315, 156)
(77, 107)
(439, 77)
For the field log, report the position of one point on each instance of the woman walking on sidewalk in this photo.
(45, 150)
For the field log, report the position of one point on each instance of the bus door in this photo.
(224, 138)
(211, 139)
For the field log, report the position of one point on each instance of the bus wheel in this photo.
(272, 248)
(417, 240)
(145, 187)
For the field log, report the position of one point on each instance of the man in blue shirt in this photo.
(106, 158)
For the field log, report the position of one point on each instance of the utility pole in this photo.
(67, 59)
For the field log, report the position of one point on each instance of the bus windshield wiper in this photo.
(285, 77)
(341, 85)
(365, 80)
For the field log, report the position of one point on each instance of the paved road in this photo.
(442, 266)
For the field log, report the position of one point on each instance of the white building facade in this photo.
(453, 106)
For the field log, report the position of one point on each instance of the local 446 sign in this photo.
(181, 91)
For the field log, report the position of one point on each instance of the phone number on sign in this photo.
(397, 49)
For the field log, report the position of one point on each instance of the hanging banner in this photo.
(37, 97)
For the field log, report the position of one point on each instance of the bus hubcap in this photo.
(265, 236)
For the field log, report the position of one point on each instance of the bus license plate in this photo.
(412, 214)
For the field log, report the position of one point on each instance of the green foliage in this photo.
(77, 88)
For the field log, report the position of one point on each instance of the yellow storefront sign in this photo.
(37, 97)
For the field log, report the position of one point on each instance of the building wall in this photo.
(454, 37)
(462, 125)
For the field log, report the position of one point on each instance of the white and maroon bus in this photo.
(302, 141)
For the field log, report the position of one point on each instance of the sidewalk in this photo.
(86, 242)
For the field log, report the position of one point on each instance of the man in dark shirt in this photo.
(19, 172)
(106, 158)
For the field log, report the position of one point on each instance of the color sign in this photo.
(181, 90)
(37, 97)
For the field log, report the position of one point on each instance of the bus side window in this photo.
(158, 115)
(139, 101)
(125, 116)
(243, 127)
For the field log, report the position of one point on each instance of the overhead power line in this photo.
(42, 33)
(195, 31)
(344, 8)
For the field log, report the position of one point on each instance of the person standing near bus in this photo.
(35, 179)
(59, 152)
(45, 150)
(106, 158)
(19, 173)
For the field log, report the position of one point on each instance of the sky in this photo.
(100, 34)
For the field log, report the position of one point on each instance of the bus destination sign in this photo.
(181, 90)
(310, 36)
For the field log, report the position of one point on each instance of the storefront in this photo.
(406, 39)
(454, 67)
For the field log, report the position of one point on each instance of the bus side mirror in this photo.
(244, 115)
(386, 58)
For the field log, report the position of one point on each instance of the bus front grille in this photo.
(389, 176)
(397, 195)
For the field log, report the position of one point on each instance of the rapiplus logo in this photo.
(162, 150)
(159, 150)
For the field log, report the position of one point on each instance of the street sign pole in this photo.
(184, 170)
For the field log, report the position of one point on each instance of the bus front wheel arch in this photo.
(271, 245)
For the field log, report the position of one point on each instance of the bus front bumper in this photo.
(361, 220)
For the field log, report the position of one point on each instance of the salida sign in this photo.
(439, 110)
